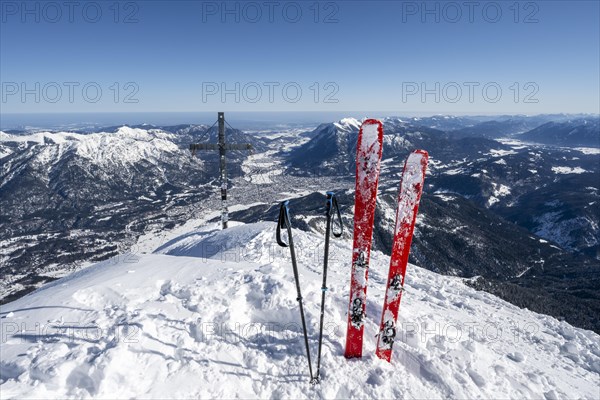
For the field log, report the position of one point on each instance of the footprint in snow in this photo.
(376, 377)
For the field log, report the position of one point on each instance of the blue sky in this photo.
(390, 56)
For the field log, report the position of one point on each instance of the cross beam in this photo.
(216, 146)
(222, 147)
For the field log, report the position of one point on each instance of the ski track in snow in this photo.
(194, 323)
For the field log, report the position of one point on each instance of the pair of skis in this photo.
(284, 223)
(368, 159)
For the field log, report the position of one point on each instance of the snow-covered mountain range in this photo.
(67, 198)
(520, 216)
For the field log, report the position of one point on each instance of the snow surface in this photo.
(588, 150)
(559, 228)
(5, 151)
(370, 151)
(370, 137)
(568, 170)
(443, 197)
(500, 153)
(225, 324)
(455, 171)
(499, 190)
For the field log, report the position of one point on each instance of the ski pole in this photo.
(331, 204)
(284, 222)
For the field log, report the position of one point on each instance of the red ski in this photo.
(411, 188)
(368, 159)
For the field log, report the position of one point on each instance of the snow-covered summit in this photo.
(102, 157)
(348, 124)
(224, 323)
(129, 145)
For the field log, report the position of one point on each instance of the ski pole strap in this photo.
(332, 204)
(283, 222)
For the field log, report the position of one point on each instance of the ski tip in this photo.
(372, 121)
(368, 123)
(370, 134)
(418, 157)
(424, 153)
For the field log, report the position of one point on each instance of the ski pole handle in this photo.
(282, 222)
(331, 204)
